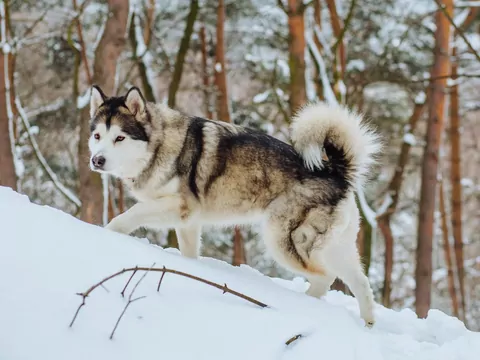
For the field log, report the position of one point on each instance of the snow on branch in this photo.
(323, 41)
(327, 89)
(51, 174)
(52, 107)
(368, 212)
(6, 48)
(329, 95)
(144, 53)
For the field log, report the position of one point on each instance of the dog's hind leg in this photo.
(319, 284)
(342, 259)
(189, 240)
(280, 243)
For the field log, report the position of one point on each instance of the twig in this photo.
(293, 339)
(128, 282)
(83, 51)
(286, 118)
(281, 5)
(130, 298)
(345, 26)
(164, 270)
(123, 312)
(428, 79)
(458, 30)
(160, 281)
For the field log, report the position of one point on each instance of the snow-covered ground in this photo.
(47, 256)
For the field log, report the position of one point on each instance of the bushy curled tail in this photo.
(320, 127)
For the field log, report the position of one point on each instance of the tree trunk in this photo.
(223, 113)
(446, 251)
(172, 239)
(182, 53)
(150, 18)
(296, 54)
(439, 74)
(138, 59)
(364, 240)
(340, 58)
(393, 191)
(238, 248)
(8, 176)
(205, 74)
(386, 230)
(456, 176)
(318, 22)
(220, 69)
(107, 52)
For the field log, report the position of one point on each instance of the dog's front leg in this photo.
(158, 214)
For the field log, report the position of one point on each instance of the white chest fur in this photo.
(153, 190)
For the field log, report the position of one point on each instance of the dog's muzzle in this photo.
(98, 162)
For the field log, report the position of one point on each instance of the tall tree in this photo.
(446, 250)
(439, 73)
(7, 165)
(295, 11)
(220, 67)
(172, 240)
(455, 178)
(393, 191)
(205, 73)
(223, 112)
(317, 18)
(109, 48)
(182, 53)
(339, 62)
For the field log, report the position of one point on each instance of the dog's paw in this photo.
(369, 323)
(117, 226)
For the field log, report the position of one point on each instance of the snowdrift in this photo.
(47, 257)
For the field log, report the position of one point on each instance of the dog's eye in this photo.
(120, 138)
(96, 136)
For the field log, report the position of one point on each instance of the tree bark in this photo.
(455, 178)
(223, 112)
(296, 54)
(340, 58)
(8, 176)
(205, 75)
(182, 53)
(138, 59)
(446, 251)
(393, 190)
(238, 248)
(386, 230)
(220, 69)
(440, 71)
(150, 19)
(107, 52)
(318, 22)
(172, 239)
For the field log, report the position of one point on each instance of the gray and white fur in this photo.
(187, 171)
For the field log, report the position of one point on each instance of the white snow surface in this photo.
(47, 256)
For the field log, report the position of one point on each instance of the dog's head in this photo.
(119, 133)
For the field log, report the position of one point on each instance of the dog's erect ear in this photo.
(135, 101)
(97, 98)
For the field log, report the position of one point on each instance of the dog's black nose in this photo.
(98, 161)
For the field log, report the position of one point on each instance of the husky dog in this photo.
(186, 171)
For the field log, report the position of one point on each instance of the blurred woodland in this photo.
(411, 66)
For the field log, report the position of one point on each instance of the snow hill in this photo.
(47, 256)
